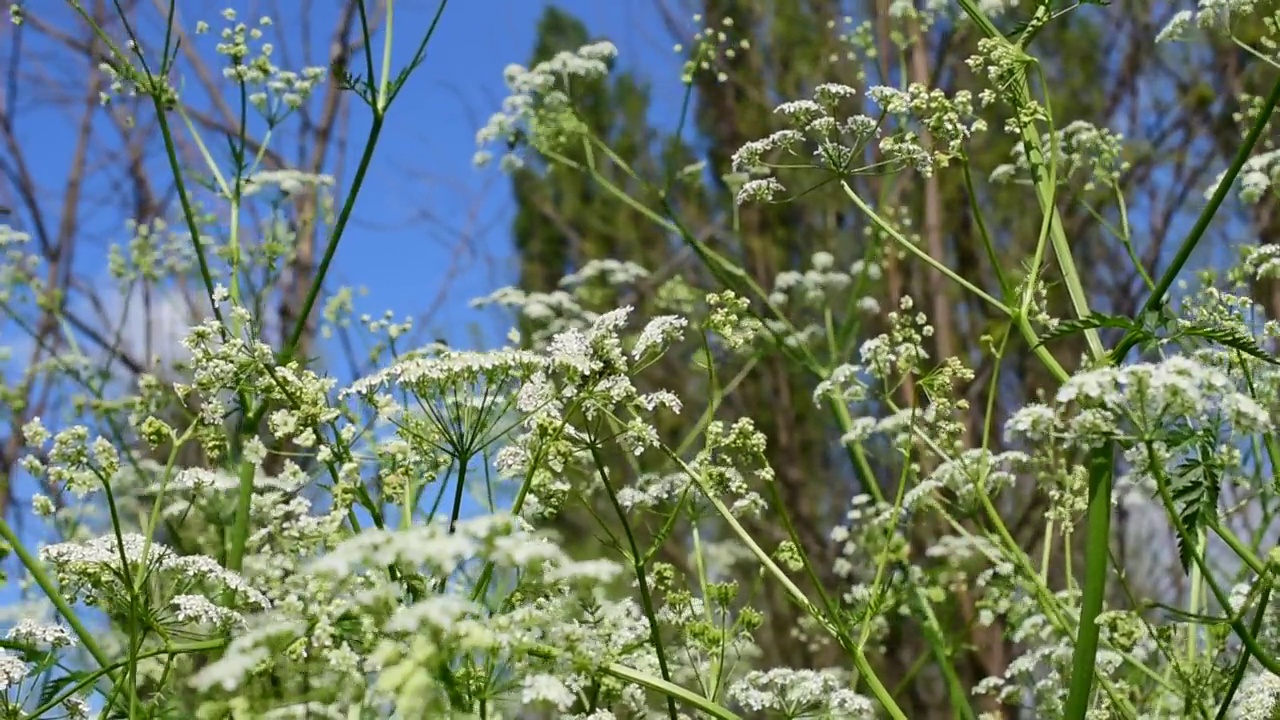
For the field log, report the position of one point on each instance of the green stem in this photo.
(1096, 554)
(671, 690)
(1193, 602)
(456, 510)
(331, 248)
(188, 211)
(910, 247)
(240, 530)
(642, 580)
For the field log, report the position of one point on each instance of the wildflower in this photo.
(1259, 697)
(12, 670)
(41, 635)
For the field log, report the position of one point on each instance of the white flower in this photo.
(658, 334)
(12, 670)
(544, 688)
(761, 190)
(797, 693)
(41, 635)
(1259, 697)
(199, 610)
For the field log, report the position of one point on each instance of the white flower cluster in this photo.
(274, 92)
(732, 321)
(611, 272)
(549, 313)
(95, 571)
(1141, 401)
(154, 250)
(1082, 149)
(949, 120)
(1259, 697)
(45, 636)
(12, 670)
(900, 351)
(801, 693)
(73, 462)
(821, 127)
(1208, 15)
(539, 109)
(728, 455)
(838, 139)
(713, 48)
(976, 469)
(451, 369)
(869, 534)
(1261, 262)
(1257, 178)
(817, 285)
(223, 365)
(288, 182)
(551, 637)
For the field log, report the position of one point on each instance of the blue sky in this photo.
(431, 133)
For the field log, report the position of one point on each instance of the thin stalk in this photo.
(671, 690)
(1238, 547)
(240, 528)
(1046, 189)
(1096, 554)
(188, 211)
(1197, 590)
(457, 494)
(331, 248)
(797, 595)
(642, 580)
(384, 82)
(926, 257)
(700, 566)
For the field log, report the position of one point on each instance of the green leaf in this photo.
(1090, 322)
(55, 686)
(1234, 337)
(1195, 492)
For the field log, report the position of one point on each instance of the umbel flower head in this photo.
(1142, 401)
(453, 399)
(539, 111)
(96, 571)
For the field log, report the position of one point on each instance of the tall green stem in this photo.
(1097, 545)
(642, 579)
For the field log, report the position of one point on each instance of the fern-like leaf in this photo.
(1231, 336)
(1090, 322)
